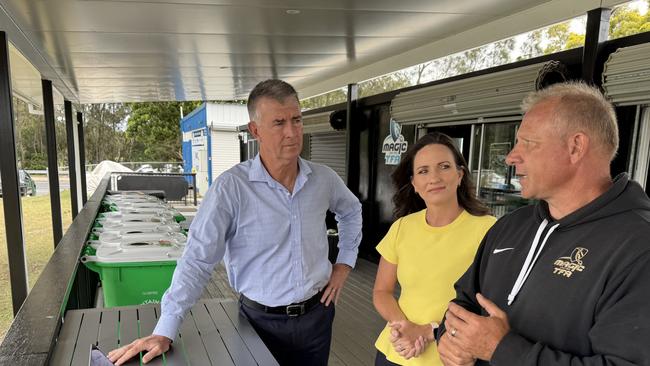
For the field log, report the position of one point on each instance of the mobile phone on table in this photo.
(98, 358)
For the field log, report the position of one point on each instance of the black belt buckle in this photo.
(295, 310)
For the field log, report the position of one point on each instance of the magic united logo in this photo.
(394, 144)
(567, 266)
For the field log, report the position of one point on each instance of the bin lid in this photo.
(129, 204)
(171, 228)
(122, 216)
(136, 225)
(109, 199)
(140, 251)
(112, 239)
(161, 211)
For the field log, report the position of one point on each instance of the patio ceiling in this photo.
(133, 50)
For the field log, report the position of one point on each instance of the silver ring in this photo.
(453, 332)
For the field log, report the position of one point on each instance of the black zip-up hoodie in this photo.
(586, 300)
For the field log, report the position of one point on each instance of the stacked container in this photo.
(134, 245)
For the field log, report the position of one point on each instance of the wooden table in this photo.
(213, 333)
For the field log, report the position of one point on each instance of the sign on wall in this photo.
(394, 144)
(199, 138)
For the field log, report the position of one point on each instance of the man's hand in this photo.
(155, 345)
(475, 334)
(451, 354)
(334, 287)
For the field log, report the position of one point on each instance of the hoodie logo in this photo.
(566, 266)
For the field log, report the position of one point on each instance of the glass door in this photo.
(497, 184)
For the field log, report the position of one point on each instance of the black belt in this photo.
(293, 310)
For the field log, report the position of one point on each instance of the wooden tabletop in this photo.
(213, 333)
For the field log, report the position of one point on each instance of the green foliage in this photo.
(333, 97)
(154, 129)
(626, 21)
(30, 137)
(104, 134)
(384, 83)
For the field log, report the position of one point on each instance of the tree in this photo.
(396, 80)
(626, 21)
(531, 46)
(333, 97)
(154, 129)
(30, 137)
(104, 134)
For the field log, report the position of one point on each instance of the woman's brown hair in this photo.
(405, 199)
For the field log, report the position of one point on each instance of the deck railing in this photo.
(62, 285)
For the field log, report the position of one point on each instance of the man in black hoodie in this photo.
(565, 281)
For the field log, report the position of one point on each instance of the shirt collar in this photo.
(258, 173)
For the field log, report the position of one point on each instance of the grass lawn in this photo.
(39, 245)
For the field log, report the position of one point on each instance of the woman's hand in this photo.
(410, 339)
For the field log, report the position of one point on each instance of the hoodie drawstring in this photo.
(531, 258)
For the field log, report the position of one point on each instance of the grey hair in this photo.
(580, 107)
(272, 88)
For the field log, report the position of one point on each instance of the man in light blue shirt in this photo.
(266, 218)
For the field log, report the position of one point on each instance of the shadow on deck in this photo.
(356, 324)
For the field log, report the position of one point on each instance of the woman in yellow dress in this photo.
(440, 224)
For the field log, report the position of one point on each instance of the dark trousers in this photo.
(380, 360)
(302, 340)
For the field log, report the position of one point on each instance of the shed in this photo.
(210, 140)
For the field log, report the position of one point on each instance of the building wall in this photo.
(224, 151)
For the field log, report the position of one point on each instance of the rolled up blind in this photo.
(328, 148)
(626, 76)
(316, 123)
(493, 97)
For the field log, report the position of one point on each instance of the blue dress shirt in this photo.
(273, 242)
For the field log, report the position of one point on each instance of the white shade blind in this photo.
(492, 97)
(626, 77)
(316, 123)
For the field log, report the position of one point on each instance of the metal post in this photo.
(72, 161)
(52, 168)
(82, 157)
(194, 187)
(10, 187)
(480, 162)
(596, 33)
(352, 139)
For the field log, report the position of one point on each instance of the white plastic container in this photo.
(132, 198)
(144, 217)
(139, 239)
(137, 227)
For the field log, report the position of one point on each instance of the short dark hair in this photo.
(407, 201)
(272, 88)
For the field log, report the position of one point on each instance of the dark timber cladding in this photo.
(595, 34)
(52, 168)
(10, 189)
(72, 162)
(82, 157)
